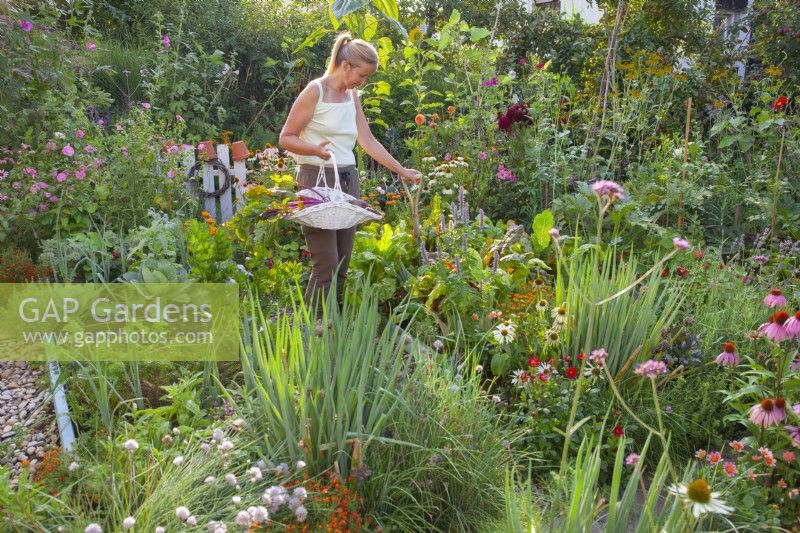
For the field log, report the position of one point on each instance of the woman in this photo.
(327, 117)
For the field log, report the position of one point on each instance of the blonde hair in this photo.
(355, 51)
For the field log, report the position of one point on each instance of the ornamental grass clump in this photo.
(322, 390)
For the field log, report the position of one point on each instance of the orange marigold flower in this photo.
(205, 214)
(419, 119)
(212, 230)
(451, 109)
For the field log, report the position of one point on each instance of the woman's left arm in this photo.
(376, 150)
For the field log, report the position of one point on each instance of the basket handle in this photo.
(321, 181)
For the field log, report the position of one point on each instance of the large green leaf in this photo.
(312, 39)
(542, 224)
(342, 8)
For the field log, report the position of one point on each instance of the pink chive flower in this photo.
(729, 355)
(789, 456)
(26, 25)
(768, 412)
(730, 469)
(650, 368)
(90, 46)
(146, 105)
(51, 145)
(554, 233)
(482, 155)
(608, 189)
(522, 61)
(61, 177)
(490, 82)
(681, 244)
(448, 156)
(165, 41)
(598, 356)
(774, 329)
(632, 459)
(714, 457)
(80, 134)
(792, 325)
(120, 127)
(179, 118)
(89, 149)
(68, 151)
(30, 171)
(775, 298)
(80, 174)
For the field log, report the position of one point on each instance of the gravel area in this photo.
(27, 422)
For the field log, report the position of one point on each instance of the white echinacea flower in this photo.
(504, 332)
(698, 495)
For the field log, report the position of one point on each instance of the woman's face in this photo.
(356, 76)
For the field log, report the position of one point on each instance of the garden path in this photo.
(27, 423)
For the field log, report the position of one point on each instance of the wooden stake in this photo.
(685, 158)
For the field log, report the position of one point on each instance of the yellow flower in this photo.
(773, 71)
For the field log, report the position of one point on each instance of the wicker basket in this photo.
(336, 210)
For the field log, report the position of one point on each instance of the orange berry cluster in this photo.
(50, 464)
(17, 267)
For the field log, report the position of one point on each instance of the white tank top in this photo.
(334, 122)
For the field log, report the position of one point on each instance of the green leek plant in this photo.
(321, 390)
(581, 505)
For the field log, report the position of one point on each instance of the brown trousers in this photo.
(330, 249)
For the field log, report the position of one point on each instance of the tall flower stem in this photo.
(662, 433)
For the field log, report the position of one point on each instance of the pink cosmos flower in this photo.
(80, 134)
(650, 368)
(68, 151)
(165, 41)
(775, 298)
(598, 356)
(792, 325)
(729, 356)
(504, 174)
(608, 189)
(146, 105)
(774, 329)
(730, 469)
(91, 46)
(680, 244)
(448, 156)
(714, 457)
(768, 412)
(26, 25)
(632, 459)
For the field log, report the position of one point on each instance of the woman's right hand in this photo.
(322, 151)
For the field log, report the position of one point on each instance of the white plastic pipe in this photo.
(65, 429)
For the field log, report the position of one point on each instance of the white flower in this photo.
(541, 305)
(255, 474)
(504, 332)
(429, 159)
(182, 513)
(178, 461)
(210, 480)
(217, 527)
(128, 523)
(230, 479)
(236, 500)
(259, 514)
(300, 492)
(73, 466)
(282, 469)
(131, 445)
(515, 98)
(192, 521)
(438, 345)
(205, 447)
(93, 528)
(225, 445)
(301, 513)
(160, 529)
(698, 495)
(520, 378)
(294, 503)
(512, 74)
(454, 388)
(479, 369)
(447, 191)
(59, 135)
(166, 440)
(496, 398)
(301, 464)
(217, 434)
(238, 424)
(242, 519)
